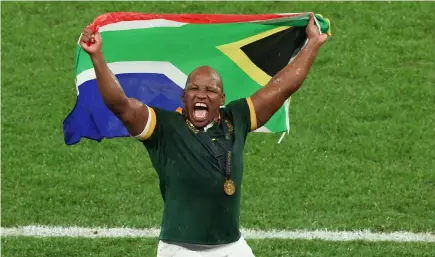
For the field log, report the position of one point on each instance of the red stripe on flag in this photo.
(114, 17)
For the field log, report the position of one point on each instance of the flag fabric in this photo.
(152, 54)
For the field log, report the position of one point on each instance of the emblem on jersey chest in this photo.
(229, 125)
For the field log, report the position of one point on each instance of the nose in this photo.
(201, 94)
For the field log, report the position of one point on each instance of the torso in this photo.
(196, 208)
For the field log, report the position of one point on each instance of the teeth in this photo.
(200, 105)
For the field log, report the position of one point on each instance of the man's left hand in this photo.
(313, 33)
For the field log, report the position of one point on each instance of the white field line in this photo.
(328, 235)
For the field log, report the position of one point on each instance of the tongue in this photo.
(200, 114)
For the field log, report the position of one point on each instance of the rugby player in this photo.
(197, 152)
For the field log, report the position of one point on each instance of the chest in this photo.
(212, 144)
(204, 153)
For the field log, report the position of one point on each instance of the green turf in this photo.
(49, 247)
(360, 153)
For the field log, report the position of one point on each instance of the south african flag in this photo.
(152, 54)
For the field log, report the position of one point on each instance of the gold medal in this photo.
(229, 187)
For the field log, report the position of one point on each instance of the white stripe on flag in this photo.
(166, 68)
(262, 129)
(140, 24)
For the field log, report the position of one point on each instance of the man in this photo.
(198, 151)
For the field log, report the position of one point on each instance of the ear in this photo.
(183, 95)
(223, 100)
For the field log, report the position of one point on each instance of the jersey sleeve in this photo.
(243, 114)
(149, 127)
(158, 124)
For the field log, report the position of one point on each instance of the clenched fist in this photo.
(313, 32)
(91, 42)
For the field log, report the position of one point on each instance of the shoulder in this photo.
(242, 111)
(159, 121)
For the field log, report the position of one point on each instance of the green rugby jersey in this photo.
(196, 208)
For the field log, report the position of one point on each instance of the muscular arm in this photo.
(271, 97)
(131, 112)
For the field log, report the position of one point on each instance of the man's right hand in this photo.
(91, 42)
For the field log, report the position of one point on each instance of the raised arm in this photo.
(271, 97)
(131, 112)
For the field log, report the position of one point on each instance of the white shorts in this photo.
(239, 248)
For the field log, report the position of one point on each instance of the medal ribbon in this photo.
(229, 146)
(205, 139)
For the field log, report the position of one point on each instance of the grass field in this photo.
(360, 154)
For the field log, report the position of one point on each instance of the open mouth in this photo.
(200, 111)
